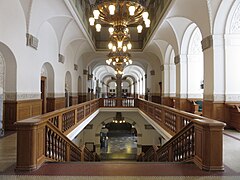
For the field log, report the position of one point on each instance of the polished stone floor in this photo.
(120, 147)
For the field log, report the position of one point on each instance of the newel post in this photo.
(209, 144)
(30, 145)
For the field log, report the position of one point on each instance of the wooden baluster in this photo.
(178, 123)
(68, 152)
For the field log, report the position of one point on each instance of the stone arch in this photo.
(128, 120)
(47, 87)
(195, 62)
(8, 83)
(232, 53)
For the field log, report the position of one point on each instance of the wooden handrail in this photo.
(43, 138)
(196, 138)
(117, 102)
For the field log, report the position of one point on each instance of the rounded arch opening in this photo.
(8, 91)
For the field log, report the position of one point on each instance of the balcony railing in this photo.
(195, 138)
(43, 138)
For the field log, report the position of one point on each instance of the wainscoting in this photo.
(55, 103)
(18, 110)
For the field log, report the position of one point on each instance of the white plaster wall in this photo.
(232, 67)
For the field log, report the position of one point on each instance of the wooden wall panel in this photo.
(156, 99)
(214, 110)
(18, 110)
(9, 114)
(29, 108)
(181, 104)
(73, 100)
(55, 103)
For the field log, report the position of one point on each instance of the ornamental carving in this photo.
(195, 46)
(235, 24)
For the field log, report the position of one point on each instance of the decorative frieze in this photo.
(195, 96)
(182, 96)
(215, 97)
(22, 96)
(207, 43)
(233, 98)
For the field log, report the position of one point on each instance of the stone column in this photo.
(119, 85)
(214, 77)
(181, 82)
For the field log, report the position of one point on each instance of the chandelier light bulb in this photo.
(114, 63)
(114, 48)
(110, 45)
(120, 43)
(139, 28)
(117, 59)
(129, 45)
(124, 48)
(91, 21)
(111, 30)
(145, 15)
(110, 60)
(130, 61)
(96, 14)
(131, 10)
(98, 27)
(126, 63)
(125, 60)
(126, 30)
(147, 23)
(111, 9)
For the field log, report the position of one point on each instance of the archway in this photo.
(7, 87)
(195, 64)
(47, 87)
(68, 89)
(2, 85)
(118, 139)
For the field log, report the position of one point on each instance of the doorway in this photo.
(118, 141)
(43, 94)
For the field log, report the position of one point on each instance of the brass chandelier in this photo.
(119, 14)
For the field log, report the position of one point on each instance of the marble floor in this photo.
(120, 148)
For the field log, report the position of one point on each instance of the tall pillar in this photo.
(181, 82)
(119, 85)
(146, 88)
(214, 77)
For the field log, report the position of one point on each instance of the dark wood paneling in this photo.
(73, 100)
(55, 103)
(18, 110)
(214, 110)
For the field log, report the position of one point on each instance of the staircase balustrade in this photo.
(43, 138)
(195, 138)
